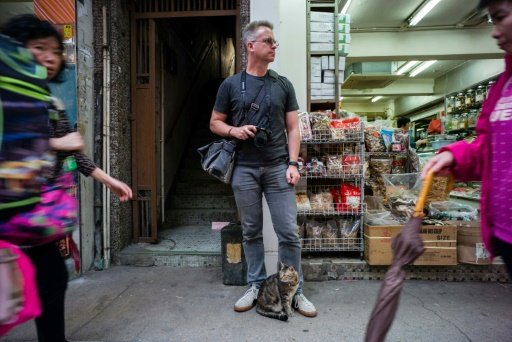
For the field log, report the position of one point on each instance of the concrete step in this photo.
(214, 187)
(135, 257)
(181, 217)
(203, 202)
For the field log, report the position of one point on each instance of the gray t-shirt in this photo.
(282, 100)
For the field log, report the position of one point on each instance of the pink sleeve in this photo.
(468, 159)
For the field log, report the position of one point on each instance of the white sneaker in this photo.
(248, 300)
(304, 306)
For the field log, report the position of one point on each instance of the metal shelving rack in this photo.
(326, 144)
(330, 6)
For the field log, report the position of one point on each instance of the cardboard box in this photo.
(322, 47)
(343, 28)
(470, 248)
(344, 38)
(342, 63)
(317, 61)
(322, 37)
(343, 49)
(332, 65)
(325, 17)
(440, 245)
(325, 62)
(321, 27)
(344, 19)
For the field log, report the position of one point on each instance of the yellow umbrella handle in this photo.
(418, 211)
(420, 204)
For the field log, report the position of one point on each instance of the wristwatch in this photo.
(293, 163)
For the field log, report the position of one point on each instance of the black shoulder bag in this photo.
(218, 157)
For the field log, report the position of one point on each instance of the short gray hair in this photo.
(249, 31)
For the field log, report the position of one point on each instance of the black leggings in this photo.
(52, 282)
(504, 250)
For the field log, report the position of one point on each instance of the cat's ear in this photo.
(281, 265)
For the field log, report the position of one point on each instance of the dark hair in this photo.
(26, 27)
(250, 29)
(402, 121)
(485, 3)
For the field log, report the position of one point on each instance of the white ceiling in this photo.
(379, 14)
(388, 18)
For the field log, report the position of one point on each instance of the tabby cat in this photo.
(276, 294)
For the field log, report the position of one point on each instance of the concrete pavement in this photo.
(159, 304)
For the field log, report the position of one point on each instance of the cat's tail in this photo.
(280, 316)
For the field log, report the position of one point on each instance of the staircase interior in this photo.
(187, 239)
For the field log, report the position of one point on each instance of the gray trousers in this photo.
(249, 184)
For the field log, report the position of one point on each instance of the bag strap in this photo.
(255, 105)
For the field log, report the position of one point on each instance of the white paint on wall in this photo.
(289, 20)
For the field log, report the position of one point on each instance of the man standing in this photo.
(257, 107)
(405, 124)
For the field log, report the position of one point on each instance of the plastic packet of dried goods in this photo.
(366, 169)
(348, 227)
(305, 126)
(321, 201)
(301, 228)
(373, 140)
(345, 129)
(377, 186)
(329, 234)
(402, 208)
(413, 161)
(400, 140)
(351, 164)
(350, 197)
(320, 123)
(303, 204)
(387, 137)
(404, 186)
(380, 166)
(316, 167)
(313, 234)
(399, 164)
(374, 203)
(334, 165)
(451, 211)
(438, 191)
(381, 218)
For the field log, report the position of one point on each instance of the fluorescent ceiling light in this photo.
(406, 67)
(345, 8)
(427, 7)
(421, 68)
(376, 98)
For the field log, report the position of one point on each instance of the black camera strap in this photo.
(250, 113)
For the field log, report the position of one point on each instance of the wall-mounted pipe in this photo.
(106, 138)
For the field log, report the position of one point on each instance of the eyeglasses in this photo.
(268, 41)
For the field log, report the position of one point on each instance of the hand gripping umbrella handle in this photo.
(427, 183)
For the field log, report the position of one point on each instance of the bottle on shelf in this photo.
(469, 98)
(460, 100)
(480, 95)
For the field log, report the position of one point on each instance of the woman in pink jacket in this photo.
(489, 157)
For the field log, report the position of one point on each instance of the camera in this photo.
(262, 136)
